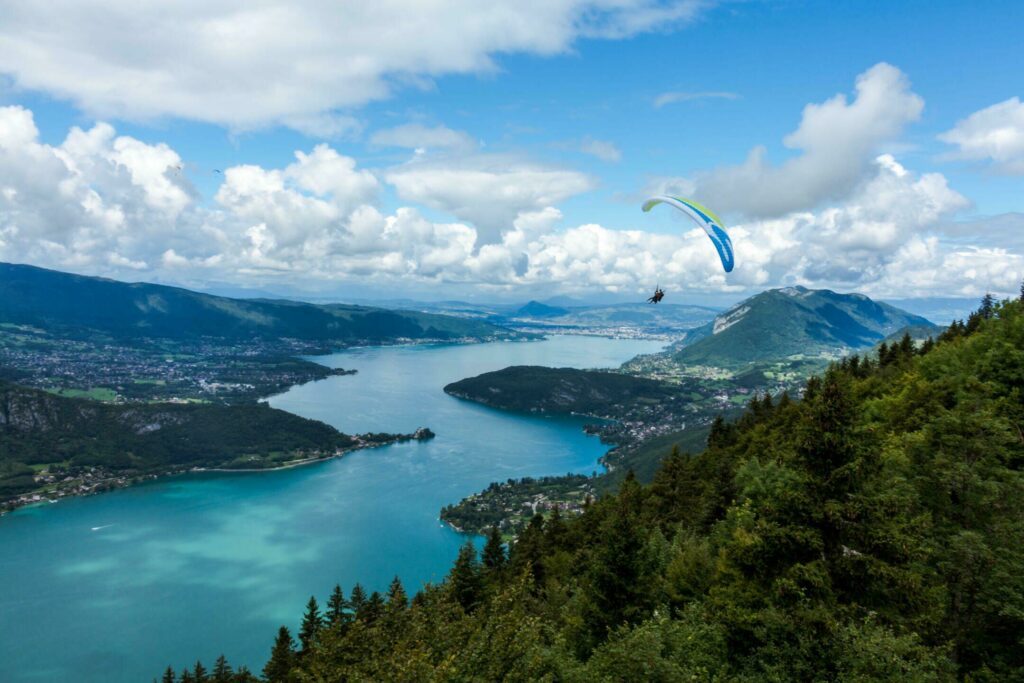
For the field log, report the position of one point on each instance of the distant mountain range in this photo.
(794, 321)
(76, 304)
(635, 317)
(535, 309)
(663, 319)
(941, 310)
(775, 324)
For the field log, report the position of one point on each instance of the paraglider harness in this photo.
(659, 294)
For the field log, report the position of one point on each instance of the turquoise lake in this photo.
(117, 586)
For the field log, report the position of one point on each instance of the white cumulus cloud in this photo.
(248, 64)
(489, 191)
(837, 140)
(95, 196)
(108, 204)
(994, 134)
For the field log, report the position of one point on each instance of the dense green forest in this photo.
(68, 436)
(77, 306)
(873, 530)
(561, 390)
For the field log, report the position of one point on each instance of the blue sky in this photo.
(560, 116)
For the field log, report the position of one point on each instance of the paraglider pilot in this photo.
(659, 294)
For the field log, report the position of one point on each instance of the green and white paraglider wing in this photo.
(706, 219)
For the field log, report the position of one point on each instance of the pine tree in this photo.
(186, 677)
(828, 450)
(282, 658)
(529, 550)
(883, 354)
(988, 306)
(243, 675)
(906, 346)
(199, 673)
(312, 622)
(631, 494)
(974, 322)
(555, 530)
(337, 607)
(722, 433)
(494, 552)
(955, 329)
(675, 488)
(357, 601)
(617, 590)
(222, 671)
(827, 440)
(465, 578)
(168, 676)
(397, 598)
(374, 608)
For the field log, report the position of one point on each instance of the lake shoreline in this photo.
(106, 484)
(212, 558)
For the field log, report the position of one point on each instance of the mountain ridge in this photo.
(75, 304)
(789, 321)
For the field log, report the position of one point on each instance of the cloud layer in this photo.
(109, 204)
(251, 64)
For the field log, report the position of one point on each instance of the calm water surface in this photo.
(115, 587)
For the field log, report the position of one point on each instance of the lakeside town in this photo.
(56, 481)
(207, 370)
(510, 505)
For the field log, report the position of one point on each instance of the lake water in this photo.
(115, 587)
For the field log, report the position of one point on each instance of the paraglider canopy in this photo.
(705, 218)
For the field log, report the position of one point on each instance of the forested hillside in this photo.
(872, 531)
(779, 323)
(79, 306)
(61, 446)
(559, 390)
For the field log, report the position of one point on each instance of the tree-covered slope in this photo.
(39, 428)
(558, 390)
(873, 531)
(77, 304)
(780, 323)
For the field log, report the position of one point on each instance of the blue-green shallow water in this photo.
(115, 587)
